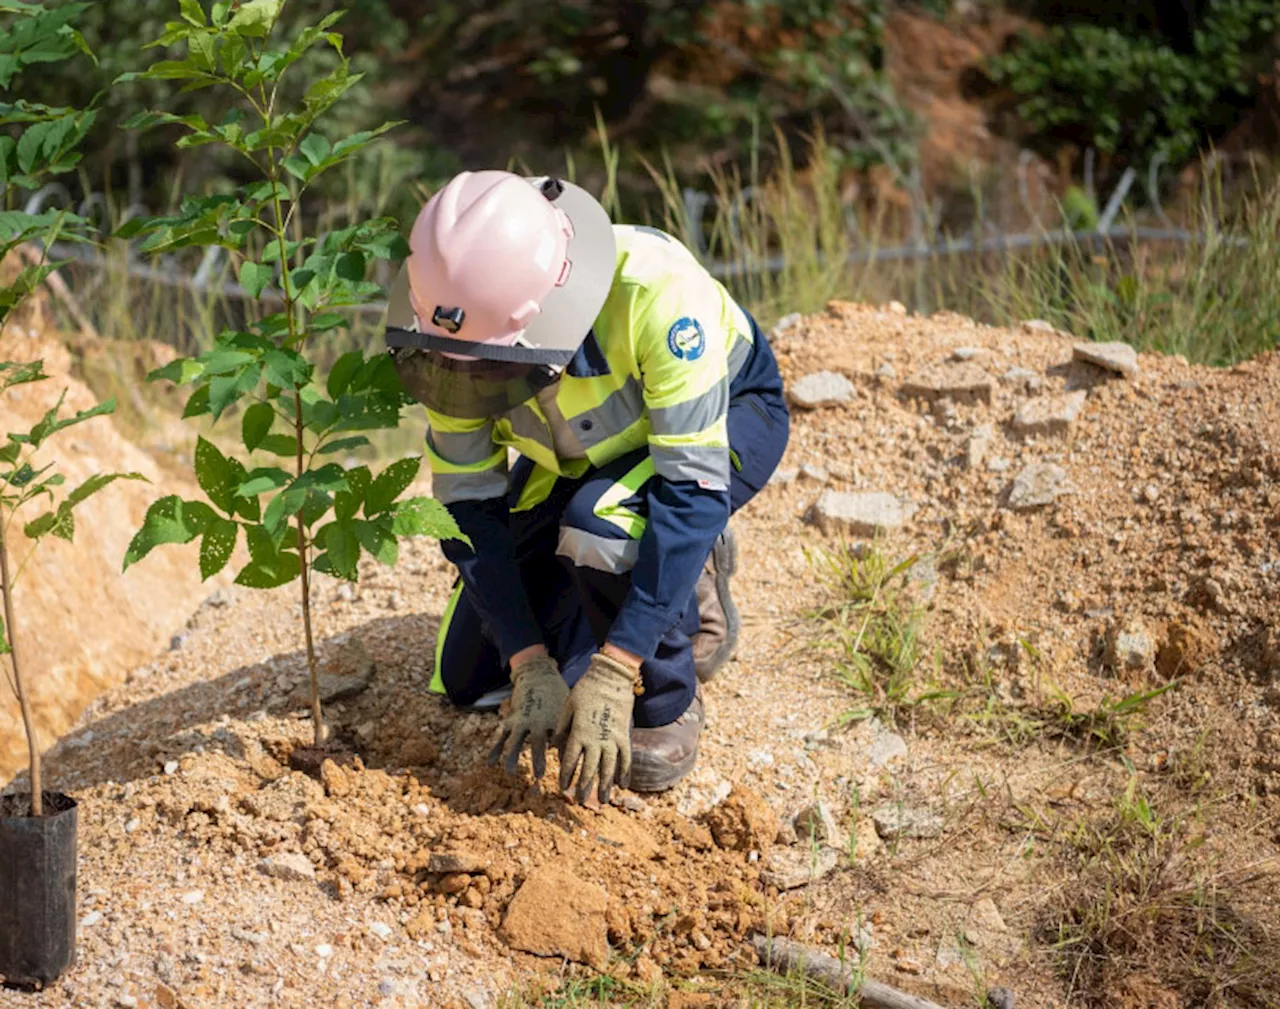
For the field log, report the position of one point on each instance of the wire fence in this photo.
(209, 276)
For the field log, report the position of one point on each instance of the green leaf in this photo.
(182, 371)
(192, 12)
(169, 520)
(425, 516)
(227, 389)
(255, 18)
(216, 546)
(344, 445)
(280, 444)
(256, 424)
(271, 573)
(390, 484)
(343, 547)
(314, 148)
(262, 480)
(216, 476)
(254, 277)
(347, 503)
(48, 523)
(344, 370)
(379, 540)
(351, 266)
(96, 483)
(198, 404)
(50, 424)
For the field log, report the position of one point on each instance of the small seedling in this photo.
(297, 511)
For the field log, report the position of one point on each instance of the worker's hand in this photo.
(595, 728)
(537, 700)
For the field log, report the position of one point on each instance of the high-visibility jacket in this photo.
(666, 352)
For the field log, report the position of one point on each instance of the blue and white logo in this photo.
(686, 340)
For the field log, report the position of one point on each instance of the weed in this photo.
(1144, 899)
(875, 625)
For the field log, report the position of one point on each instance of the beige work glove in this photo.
(537, 700)
(595, 728)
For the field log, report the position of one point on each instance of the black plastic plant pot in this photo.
(37, 890)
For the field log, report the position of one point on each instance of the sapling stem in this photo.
(317, 712)
(33, 742)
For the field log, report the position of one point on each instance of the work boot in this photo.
(718, 618)
(661, 757)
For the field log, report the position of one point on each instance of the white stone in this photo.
(91, 919)
(791, 868)
(1050, 414)
(861, 513)
(784, 476)
(324, 951)
(290, 866)
(1038, 326)
(1116, 357)
(822, 388)
(171, 767)
(194, 897)
(886, 747)
(788, 321)
(963, 382)
(814, 472)
(132, 825)
(1038, 485)
(815, 822)
(381, 930)
(893, 821)
(969, 353)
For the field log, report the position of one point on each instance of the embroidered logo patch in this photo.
(686, 340)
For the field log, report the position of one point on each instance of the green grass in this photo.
(872, 623)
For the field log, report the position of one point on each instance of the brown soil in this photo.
(422, 855)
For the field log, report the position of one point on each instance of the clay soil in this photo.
(411, 889)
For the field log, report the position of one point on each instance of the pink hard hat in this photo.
(497, 259)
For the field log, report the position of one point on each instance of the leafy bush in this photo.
(316, 515)
(43, 143)
(1133, 95)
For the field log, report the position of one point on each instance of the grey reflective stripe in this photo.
(738, 354)
(463, 448)
(617, 413)
(587, 550)
(449, 488)
(527, 424)
(693, 415)
(692, 462)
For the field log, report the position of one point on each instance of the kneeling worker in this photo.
(645, 406)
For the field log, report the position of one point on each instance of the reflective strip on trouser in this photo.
(437, 680)
(615, 547)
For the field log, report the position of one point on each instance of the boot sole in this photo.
(725, 553)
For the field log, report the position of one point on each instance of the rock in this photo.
(1000, 998)
(970, 353)
(395, 601)
(1130, 647)
(743, 822)
(450, 862)
(91, 919)
(1038, 326)
(886, 745)
(963, 382)
(194, 897)
(984, 918)
(866, 840)
(897, 821)
(896, 308)
(788, 321)
(822, 388)
(811, 471)
(791, 868)
(784, 476)
(887, 372)
(1023, 378)
(815, 823)
(1115, 357)
(978, 445)
(381, 930)
(861, 513)
(170, 767)
(1039, 484)
(1049, 414)
(324, 951)
(345, 593)
(346, 671)
(555, 913)
(998, 465)
(291, 867)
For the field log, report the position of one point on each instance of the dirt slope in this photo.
(82, 625)
(213, 875)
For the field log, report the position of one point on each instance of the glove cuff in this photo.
(539, 666)
(621, 670)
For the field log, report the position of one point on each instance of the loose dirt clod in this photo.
(743, 822)
(554, 913)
